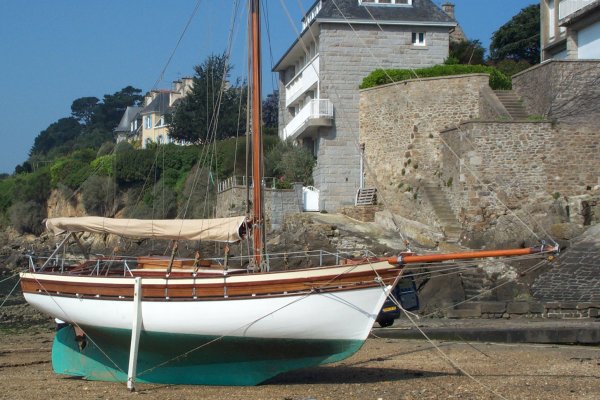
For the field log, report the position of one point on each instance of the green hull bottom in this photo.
(190, 359)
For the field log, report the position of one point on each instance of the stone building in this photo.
(570, 29)
(342, 42)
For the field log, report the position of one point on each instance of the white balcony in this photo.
(305, 80)
(318, 112)
(568, 7)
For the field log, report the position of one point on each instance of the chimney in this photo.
(449, 9)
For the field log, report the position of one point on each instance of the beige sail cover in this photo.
(218, 229)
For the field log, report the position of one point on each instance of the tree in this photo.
(60, 133)
(83, 109)
(108, 113)
(270, 110)
(214, 108)
(289, 163)
(466, 52)
(519, 38)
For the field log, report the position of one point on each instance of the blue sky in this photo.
(53, 52)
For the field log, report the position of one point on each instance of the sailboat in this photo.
(202, 321)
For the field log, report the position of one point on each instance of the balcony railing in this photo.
(568, 7)
(318, 112)
(240, 181)
(311, 14)
(304, 80)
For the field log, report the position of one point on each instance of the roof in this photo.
(160, 104)
(422, 12)
(130, 114)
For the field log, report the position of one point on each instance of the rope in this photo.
(446, 357)
(244, 326)
(10, 277)
(87, 336)
(11, 292)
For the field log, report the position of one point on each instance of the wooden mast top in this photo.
(257, 205)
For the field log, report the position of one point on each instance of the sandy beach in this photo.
(382, 369)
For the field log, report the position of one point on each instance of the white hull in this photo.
(344, 314)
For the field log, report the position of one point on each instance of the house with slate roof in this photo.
(148, 124)
(157, 105)
(130, 126)
(341, 42)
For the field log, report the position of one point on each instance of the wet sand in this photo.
(382, 369)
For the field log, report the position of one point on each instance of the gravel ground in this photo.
(383, 369)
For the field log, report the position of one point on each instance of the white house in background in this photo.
(570, 29)
(341, 42)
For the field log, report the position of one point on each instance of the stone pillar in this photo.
(299, 197)
(572, 46)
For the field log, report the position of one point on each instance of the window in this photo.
(148, 122)
(387, 2)
(161, 122)
(418, 38)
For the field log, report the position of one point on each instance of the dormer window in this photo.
(386, 2)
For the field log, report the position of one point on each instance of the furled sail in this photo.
(217, 229)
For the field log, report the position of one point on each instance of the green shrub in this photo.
(98, 195)
(104, 165)
(289, 163)
(72, 170)
(123, 146)
(6, 194)
(32, 187)
(135, 165)
(381, 77)
(27, 217)
(105, 149)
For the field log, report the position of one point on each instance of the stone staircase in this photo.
(473, 279)
(443, 212)
(512, 103)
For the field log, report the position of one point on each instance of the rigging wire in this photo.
(11, 291)
(187, 25)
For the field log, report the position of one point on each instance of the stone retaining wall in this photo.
(524, 309)
(400, 125)
(563, 90)
(514, 164)
(361, 213)
(277, 203)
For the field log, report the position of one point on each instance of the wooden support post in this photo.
(135, 333)
(85, 253)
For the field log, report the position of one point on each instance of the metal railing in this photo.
(315, 109)
(240, 181)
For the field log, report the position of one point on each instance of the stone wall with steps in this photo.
(512, 103)
(400, 124)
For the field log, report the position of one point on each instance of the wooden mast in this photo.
(257, 206)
